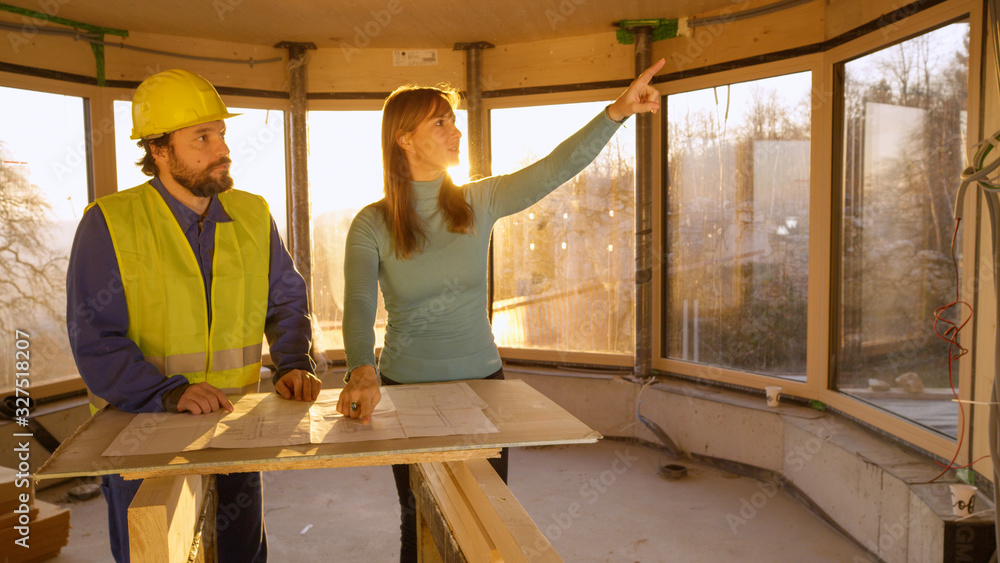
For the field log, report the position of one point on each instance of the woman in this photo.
(426, 243)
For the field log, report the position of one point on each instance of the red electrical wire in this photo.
(955, 351)
(981, 458)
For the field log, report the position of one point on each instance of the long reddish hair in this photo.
(403, 111)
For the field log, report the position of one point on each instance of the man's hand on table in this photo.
(362, 392)
(202, 398)
(299, 385)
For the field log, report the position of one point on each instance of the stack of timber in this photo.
(30, 530)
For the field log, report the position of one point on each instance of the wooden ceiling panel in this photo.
(404, 24)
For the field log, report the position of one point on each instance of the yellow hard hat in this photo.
(172, 100)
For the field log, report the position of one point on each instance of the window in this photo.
(43, 192)
(737, 225)
(563, 270)
(345, 175)
(903, 130)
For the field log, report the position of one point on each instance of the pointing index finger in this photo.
(224, 400)
(650, 72)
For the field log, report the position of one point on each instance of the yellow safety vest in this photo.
(164, 289)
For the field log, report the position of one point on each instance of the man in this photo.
(172, 286)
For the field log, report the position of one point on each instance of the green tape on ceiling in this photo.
(662, 29)
(63, 21)
(99, 59)
(97, 49)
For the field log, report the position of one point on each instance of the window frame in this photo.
(339, 354)
(604, 360)
(909, 431)
(818, 287)
(824, 214)
(96, 104)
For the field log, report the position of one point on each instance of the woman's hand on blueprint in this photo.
(360, 395)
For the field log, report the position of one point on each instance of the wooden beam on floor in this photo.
(482, 520)
(163, 518)
(435, 541)
(466, 526)
(509, 525)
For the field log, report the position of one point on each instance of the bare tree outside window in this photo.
(43, 190)
(738, 225)
(904, 132)
(563, 270)
(34, 274)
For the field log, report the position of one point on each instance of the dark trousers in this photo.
(408, 504)
(239, 521)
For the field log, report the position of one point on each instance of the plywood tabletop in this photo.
(523, 416)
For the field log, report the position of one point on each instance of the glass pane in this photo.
(43, 192)
(256, 140)
(904, 125)
(564, 269)
(345, 175)
(738, 225)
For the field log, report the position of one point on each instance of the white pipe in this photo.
(696, 330)
(684, 333)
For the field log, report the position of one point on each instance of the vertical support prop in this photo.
(480, 162)
(643, 218)
(479, 153)
(296, 152)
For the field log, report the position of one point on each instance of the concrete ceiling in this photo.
(405, 24)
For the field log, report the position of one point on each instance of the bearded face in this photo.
(196, 158)
(211, 180)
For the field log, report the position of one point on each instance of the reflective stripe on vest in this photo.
(221, 360)
(165, 292)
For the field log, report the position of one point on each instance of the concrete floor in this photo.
(603, 502)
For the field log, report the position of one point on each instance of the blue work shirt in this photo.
(97, 318)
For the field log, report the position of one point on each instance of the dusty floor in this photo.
(596, 503)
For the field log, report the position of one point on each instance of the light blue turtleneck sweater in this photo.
(438, 326)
